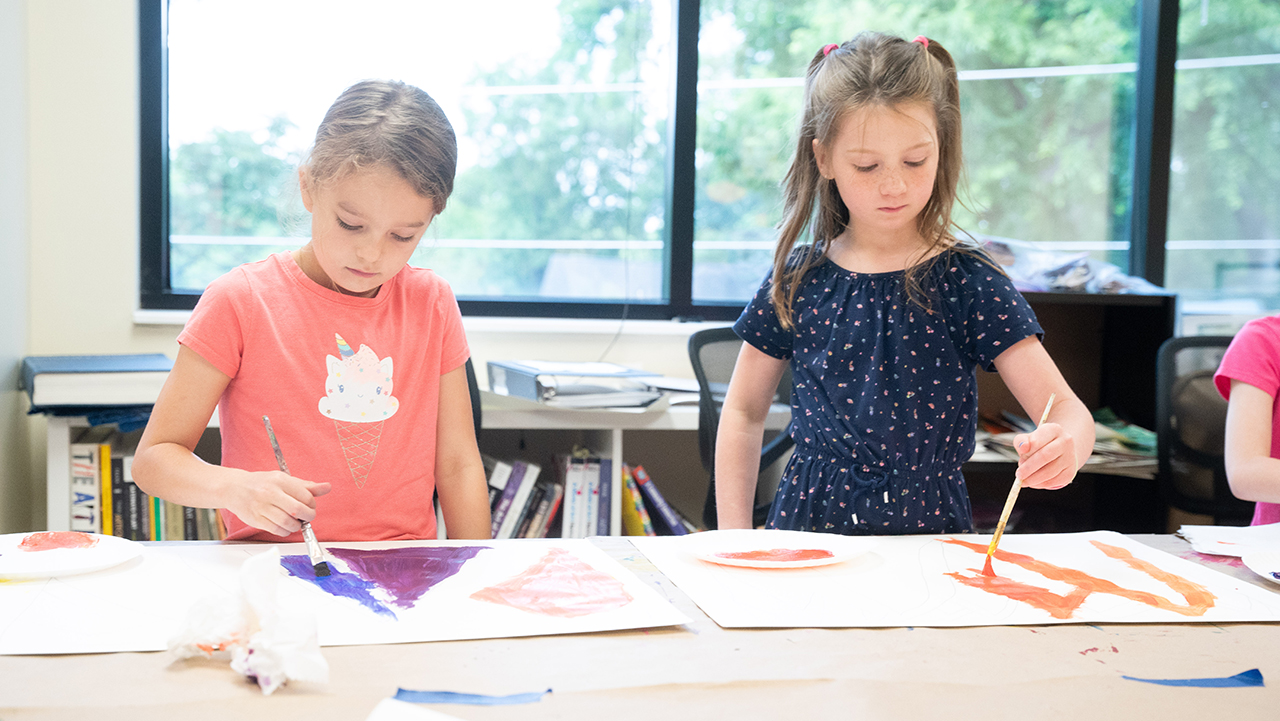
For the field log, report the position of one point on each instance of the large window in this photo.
(619, 157)
(1047, 104)
(1224, 209)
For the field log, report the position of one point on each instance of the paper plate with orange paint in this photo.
(48, 554)
(776, 549)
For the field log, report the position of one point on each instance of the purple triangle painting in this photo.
(403, 574)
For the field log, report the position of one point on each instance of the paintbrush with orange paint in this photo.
(1008, 503)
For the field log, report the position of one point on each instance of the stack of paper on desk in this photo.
(1232, 540)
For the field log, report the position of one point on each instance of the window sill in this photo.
(507, 325)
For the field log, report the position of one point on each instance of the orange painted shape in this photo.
(778, 555)
(49, 540)
(1198, 598)
(560, 584)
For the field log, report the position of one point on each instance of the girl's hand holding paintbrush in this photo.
(275, 501)
(1046, 457)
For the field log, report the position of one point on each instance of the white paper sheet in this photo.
(1232, 540)
(139, 605)
(904, 581)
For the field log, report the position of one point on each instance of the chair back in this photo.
(1190, 430)
(473, 387)
(713, 352)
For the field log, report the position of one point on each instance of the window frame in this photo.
(1152, 132)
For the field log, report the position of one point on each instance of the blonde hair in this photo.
(390, 123)
(872, 69)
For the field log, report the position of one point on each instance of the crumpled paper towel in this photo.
(265, 643)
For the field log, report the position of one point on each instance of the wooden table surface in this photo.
(701, 671)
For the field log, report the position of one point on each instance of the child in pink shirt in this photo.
(1249, 378)
(357, 358)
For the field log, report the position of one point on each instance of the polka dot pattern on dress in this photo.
(884, 403)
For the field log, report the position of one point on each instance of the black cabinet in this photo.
(1105, 346)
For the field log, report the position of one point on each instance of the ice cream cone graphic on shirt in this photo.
(358, 399)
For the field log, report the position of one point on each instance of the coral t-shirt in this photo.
(1254, 358)
(352, 387)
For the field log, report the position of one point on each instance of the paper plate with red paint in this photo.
(48, 554)
(776, 549)
(1264, 563)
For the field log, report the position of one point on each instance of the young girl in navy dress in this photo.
(884, 317)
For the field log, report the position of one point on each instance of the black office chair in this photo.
(713, 353)
(1190, 428)
(474, 386)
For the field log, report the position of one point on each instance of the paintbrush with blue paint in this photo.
(318, 564)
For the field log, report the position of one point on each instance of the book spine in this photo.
(157, 519)
(86, 488)
(590, 498)
(635, 515)
(190, 528)
(651, 492)
(604, 502)
(107, 495)
(133, 518)
(119, 499)
(572, 499)
(530, 513)
(218, 525)
(519, 500)
(203, 522)
(173, 514)
(557, 499)
(498, 482)
(508, 497)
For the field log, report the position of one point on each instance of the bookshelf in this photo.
(604, 431)
(511, 423)
(59, 432)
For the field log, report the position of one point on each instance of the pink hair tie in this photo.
(922, 40)
(826, 49)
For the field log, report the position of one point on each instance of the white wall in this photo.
(81, 73)
(15, 468)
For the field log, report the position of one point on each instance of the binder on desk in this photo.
(573, 385)
(86, 381)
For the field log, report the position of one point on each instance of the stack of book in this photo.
(520, 505)
(104, 498)
(645, 511)
(588, 491)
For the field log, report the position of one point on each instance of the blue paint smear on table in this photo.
(473, 699)
(1252, 677)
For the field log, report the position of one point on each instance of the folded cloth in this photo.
(264, 644)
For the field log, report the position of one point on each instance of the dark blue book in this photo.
(508, 497)
(94, 380)
(604, 525)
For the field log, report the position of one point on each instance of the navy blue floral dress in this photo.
(884, 406)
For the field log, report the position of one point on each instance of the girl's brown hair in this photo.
(872, 69)
(387, 122)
